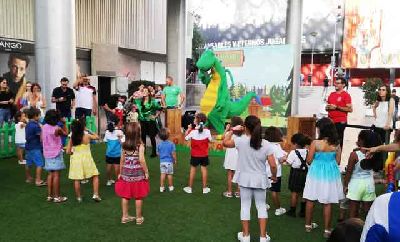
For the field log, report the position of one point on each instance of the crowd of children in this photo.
(253, 162)
(314, 173)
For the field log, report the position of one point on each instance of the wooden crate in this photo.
(304, 125)
(178, 139)
(174, 120)
(255, 109)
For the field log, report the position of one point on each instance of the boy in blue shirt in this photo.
(114, 139)
(166, 152)
(33, 146)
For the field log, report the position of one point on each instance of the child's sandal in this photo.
(140, 220)
(237, 194)
(60, 199)
(310, 227)
(41, 184)
(327, 233)
(227, 194)
(128, 219)
(49, 199)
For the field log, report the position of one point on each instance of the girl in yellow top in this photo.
(82, 165)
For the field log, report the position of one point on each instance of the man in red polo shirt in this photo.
(339, 104)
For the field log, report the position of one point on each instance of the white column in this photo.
(176, 42)
(293, 37)
(54, 44)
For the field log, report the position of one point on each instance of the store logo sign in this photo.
(10, 45)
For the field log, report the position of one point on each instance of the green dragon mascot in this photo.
(216, 102)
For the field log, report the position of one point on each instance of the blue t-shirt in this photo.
(165, 150)
(32, 135)
(114, 140)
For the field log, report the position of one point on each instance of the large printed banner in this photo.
(238, 23)
(371, 34)
(265, 70)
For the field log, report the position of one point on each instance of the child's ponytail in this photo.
(253, 124)
(201, 127)
(201, 120)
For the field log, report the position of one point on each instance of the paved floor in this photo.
(311, 102)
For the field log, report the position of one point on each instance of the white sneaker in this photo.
(112, 181)
(84, 181)
(265, 239)
(206, 190)
(243, 239)
(187, 189)
(280, 211)
(162, 189)
(171, 188)
(267, 206)
(109, 183)
(23, 162)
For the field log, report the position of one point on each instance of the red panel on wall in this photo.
(318, 74)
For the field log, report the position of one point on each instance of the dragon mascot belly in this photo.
(216, 102)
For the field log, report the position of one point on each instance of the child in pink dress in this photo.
(53, 154)
(133, 179)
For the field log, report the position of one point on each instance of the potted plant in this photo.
(370, 88)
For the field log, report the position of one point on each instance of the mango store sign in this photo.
(16, 46)
(246, 43)
(10, 45)
(231, 58)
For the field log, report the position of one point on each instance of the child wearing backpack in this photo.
(298, 172)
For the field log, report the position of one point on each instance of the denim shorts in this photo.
(20, 145)
(34, 157)
(167, 168)
(55, 164)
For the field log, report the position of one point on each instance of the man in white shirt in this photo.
(86, 100)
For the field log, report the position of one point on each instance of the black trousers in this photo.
(149, 128)
(384, 134)
(340, 127)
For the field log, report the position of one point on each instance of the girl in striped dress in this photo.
(133, 180)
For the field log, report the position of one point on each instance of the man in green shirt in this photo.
(170, 95)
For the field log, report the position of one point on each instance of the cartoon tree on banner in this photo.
(237, 91)
(289, 91)
(279, 103)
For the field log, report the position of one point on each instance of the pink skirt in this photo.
(129, 190)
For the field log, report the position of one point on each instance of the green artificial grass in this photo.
(171, 216)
